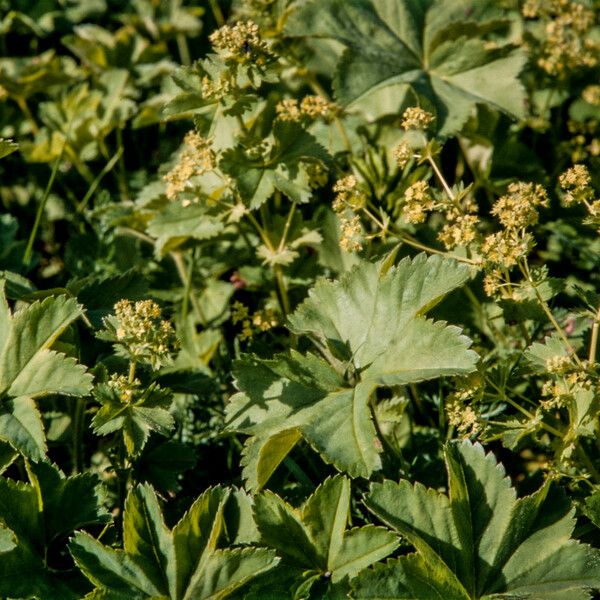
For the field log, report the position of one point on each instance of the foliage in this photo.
(181, 563)
(314, 543)
(36, 519)
(299, 299)
(364, 326)
(480, 540)
(29, 369)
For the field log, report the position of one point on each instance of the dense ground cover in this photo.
(299, 299)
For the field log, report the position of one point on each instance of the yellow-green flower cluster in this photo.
(558, 364)
(576, 183)
(349, 199)
(351, 234)
(402, 153)
(584, 140)
(460, 228)
(465, 418)
(415, 117)
(418, 201)
(317, 106)
(348, 194)
(460, 231)
(310, 107)
(566, 380)
(125, 388)
(140, 329)
(196, 158)
(516, 210)
(317, 175)
(288, 110)
(505, 248)
(260, 321)
(591, 94)
(519, 207)
(241, 41)
(566, 44)
(217, 89)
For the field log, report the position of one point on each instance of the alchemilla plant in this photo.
(299, 299)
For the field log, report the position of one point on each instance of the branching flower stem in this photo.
(440, 177)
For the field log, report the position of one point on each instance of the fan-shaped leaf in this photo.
(432, 48)
(371, 327)
(480, 541)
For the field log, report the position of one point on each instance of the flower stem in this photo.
(594, 338)
(441, 177)
(40, 210)
(411, 242)
(77, 427)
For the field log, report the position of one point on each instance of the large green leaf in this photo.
(433, 48)
(480, 541)
(375, 320)
(39, 517)
(30, 369)
(185, 563)
(283, 168)
(314, 540)
(371, 327)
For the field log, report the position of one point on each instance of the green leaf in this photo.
(592, 508)
(302, 392)
(197, 534)
(7, 147)
(40, 517)
(8, 540)
(100, 294)
(371, 320)
(315, 538)
(436, 50)
(262, 456)
(21, 425)
(7, 456)
(29, 369)
(111, 571)
(406, 578)
(134, 417)
(27, 339)
(147, 540)
(280, 526)
(176, 224)
(537, 354)
(282, 168)
(480, 540)
(181, 564)
(224, 571)
(369, 324)
(69, 503)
